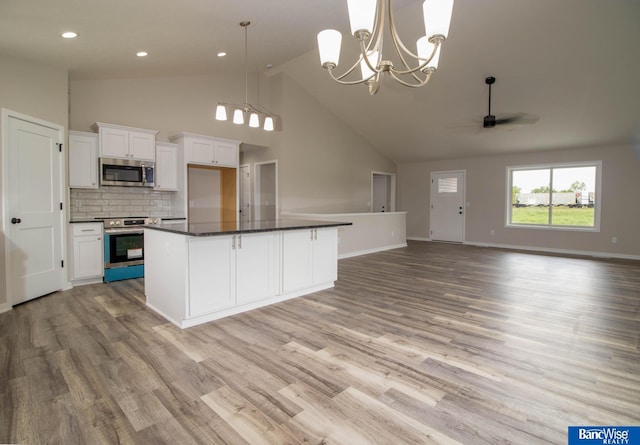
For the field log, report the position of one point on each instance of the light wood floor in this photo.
(434, 343)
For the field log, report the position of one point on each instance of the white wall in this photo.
(170, 105)
(485, 193)
(322, 164)
(35, 90)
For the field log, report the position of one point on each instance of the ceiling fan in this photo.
(513, 119)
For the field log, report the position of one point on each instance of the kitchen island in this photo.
(195, 273)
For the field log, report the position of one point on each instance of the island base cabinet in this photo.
(166, 274)
(256, 267)
(211, 275)
(191, 280)
(309, 258)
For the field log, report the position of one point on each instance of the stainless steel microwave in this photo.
(127, 172)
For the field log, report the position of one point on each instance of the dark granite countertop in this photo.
(240, 227)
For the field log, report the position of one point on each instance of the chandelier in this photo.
(257, 116)
(368, 19)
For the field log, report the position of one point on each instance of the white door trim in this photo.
(248, 211)
(6, 115)
(392, 197)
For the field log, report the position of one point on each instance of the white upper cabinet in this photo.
(117, 141)
(83, 160)
(207, 150)
(166, 166)
(226, 154)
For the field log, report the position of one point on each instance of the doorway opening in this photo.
(383, 192)
(266, 191)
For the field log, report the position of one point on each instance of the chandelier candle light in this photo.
(368, 18)
(257, 116)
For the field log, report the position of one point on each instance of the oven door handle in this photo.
(124, 230)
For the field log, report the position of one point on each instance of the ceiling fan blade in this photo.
(517, 119)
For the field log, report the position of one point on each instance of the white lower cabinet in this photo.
(231, 270)
(309, 258)
(88, 256)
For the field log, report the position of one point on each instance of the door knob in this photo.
(16, 220)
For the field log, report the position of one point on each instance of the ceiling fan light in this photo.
(221, 113)
(254, 120)
(362, 13)
(329, 42)
(268, 123)
(238, 116)
(437, 17)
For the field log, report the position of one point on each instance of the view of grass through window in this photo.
(553, 196)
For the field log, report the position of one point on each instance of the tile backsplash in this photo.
(120, 202)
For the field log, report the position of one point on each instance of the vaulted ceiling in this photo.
(573, 63)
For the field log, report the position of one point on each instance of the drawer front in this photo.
(81, 229)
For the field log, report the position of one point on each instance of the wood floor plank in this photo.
(432, 343)
(248, 420)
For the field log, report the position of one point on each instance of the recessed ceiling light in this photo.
(222, 54)
(69, 35)
(142, 54)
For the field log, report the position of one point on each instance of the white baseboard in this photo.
(558, 251)
(545, 249)
(367, 251)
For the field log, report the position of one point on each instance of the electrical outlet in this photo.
(614, 240)
(492, 232)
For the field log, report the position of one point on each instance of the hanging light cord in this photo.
(245, 25)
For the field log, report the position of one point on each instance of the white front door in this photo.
(33, 215)
(245, 193)
(447, 206)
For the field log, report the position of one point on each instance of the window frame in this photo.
(597, 204)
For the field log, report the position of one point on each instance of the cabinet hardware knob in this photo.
(16, 220)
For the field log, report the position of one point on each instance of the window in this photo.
(554, 196)
(448, 185)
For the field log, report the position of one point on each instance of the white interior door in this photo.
(380, 194)
(245, 193)
(33, 214)
(383, 192)
(447, 206)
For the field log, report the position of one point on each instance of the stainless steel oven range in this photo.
(124, 247)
